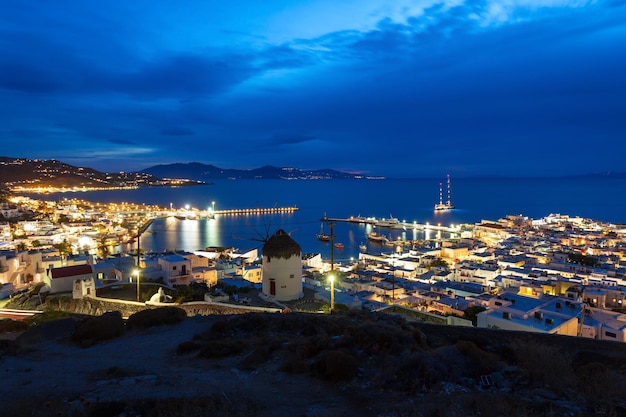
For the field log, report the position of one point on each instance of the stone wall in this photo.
(98, 306)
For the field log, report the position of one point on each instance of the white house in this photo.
(545, 314)
(62, 279)
(176, 269)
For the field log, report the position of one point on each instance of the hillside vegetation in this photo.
(356, 363)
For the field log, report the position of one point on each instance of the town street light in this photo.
(331, 278)
(136, 273)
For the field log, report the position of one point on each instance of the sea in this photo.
(408, 200)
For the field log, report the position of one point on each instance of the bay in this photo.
(408, 200)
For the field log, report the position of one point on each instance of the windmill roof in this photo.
(281, 245)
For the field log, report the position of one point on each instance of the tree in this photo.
(63, 219)
(64, 248)
(471, 313)
(437, 262)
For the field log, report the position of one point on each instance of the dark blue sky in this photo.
(403, 88)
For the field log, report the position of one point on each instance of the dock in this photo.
(399, 225)
(258, 210)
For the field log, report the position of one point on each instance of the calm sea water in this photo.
(408, 200)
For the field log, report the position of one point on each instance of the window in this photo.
(291, 276)
(506, 315)
(610, 334)
(174, 268)
(498, 303)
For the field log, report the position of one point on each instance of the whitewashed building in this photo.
(282, 268)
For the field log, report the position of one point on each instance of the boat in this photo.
(441, 205)
(375, 237)
(339, 245)
(363, 247)
(390, 222)
(324, 237)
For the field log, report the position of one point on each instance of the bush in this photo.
(91, 330)
(547, 365)
(223, 348)
(336, 366)
(12, 326)
(481, 362)
(156, 317)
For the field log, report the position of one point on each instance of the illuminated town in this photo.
(556, 275)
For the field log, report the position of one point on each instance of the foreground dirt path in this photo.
(51, 376)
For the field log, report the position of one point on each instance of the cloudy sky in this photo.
(403, 88)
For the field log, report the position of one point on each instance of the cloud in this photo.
(280, 139)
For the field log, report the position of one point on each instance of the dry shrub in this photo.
(294, 364)
(257, 357)
(156, 317)
(547, 364)
(220, 327)
(92, 330)
(336, 366)
(222, 347)
(406, 374)
(420, 370)
(597, 381)
(12, 326)
(308, 347)
(377, 338)
(481, 362)
(188, 347)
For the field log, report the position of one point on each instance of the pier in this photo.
(396, 225)
(258, 210)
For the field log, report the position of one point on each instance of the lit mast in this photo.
(440, 195)
(449, 202)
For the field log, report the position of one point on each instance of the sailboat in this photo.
(441, 205)
(324, 237)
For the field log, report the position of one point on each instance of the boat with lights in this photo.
(441, 206)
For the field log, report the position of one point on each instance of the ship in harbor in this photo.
(441, 205)
(322, 236)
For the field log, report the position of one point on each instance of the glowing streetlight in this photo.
(331, 278)
(136, 273)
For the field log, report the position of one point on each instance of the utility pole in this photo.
(138, 252)
(332, 247)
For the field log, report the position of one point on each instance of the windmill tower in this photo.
(282, 268)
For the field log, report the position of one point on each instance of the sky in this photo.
(409, 88)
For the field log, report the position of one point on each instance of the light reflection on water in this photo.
(166, 234)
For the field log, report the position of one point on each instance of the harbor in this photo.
(393, 223)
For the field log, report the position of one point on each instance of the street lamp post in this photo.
(332, 292)
(136, 271)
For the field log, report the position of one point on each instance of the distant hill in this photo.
(24, 172)
(202, 172)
